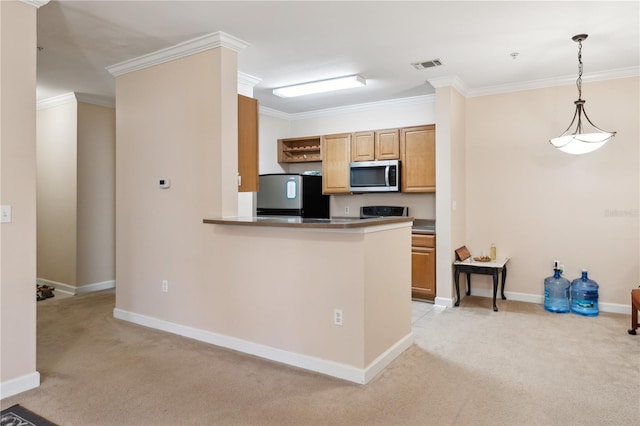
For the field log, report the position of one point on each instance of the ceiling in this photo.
(298, 41)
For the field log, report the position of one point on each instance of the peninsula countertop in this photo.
(302, 222)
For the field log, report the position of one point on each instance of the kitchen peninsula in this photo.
(328, 295)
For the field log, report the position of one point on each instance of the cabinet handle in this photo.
(239, 180)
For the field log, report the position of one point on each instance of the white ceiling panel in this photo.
(299, 41)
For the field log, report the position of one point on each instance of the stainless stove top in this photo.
(377, 211)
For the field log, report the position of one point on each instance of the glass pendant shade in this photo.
(579, 144)
(576, 139)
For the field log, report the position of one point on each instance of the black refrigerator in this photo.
(290, 194)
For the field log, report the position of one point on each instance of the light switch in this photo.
(5, 214)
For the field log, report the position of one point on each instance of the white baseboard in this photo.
(69, 289)
(443, 302)
(614, 308)
(19, 384)
(385, 359)
(330, 368)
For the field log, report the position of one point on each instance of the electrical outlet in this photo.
(346, 210)
(337, 317)
(165, 286)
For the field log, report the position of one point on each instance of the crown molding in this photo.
(181, 50)
(35, 3)
(67, 98)
(248, 80)
(103, 101)
(449, 80)
(55, 101)
(263, 110)
(414, 100)
(553, 82)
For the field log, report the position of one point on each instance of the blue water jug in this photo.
(584, 296)
(556, 293)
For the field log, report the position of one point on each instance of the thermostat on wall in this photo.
(164, 183)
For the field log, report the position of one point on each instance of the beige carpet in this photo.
(470, 365)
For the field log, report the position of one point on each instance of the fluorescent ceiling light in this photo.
(321, 86)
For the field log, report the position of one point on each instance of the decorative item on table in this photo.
(462, 253)
(492, 252)
(482, 258)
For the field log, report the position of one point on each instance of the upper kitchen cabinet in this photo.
(418, 156)
(247, 144)
(363, 146)
(376, 145)
(336, 155)
(387, 144)
(299, 150)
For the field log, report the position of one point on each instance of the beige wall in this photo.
(76, 195)
(451, 183)
(538, 204)
(387, 290)
(177, 120)
(18, 189)
(57, 180)
(96, 194)
(282, 292)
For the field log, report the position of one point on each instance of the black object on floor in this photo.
(20, 416)
(44, 292)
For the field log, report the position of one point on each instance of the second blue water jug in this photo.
(584, 296)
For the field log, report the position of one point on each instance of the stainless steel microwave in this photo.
(374, 176)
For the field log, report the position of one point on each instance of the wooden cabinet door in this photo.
(387, 144)
(336, 155)
(363, 146)
(423, 273)
(418, 156)
(423, 267)
(247, 144)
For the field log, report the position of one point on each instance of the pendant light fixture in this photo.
(581, 139)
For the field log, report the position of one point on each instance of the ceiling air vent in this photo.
(427, 64)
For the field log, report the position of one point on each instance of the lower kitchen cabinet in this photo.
(423, 267)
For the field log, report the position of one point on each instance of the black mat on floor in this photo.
(20, 416)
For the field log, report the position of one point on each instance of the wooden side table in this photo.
(470, 266)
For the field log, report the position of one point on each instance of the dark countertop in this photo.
(299, 222)
(424, 226)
